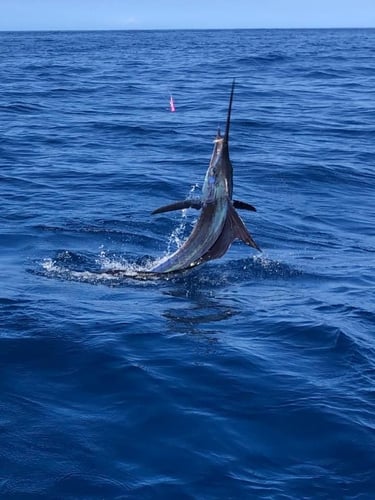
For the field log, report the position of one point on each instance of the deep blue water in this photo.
(249, 377)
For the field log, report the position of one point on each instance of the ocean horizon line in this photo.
(96, 30)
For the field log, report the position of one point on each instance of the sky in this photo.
(183, 14)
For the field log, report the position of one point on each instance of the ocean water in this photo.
(252, 376)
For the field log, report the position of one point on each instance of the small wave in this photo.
(133, 130)
(257, 267)
(97, 485)
(21, 107)
(78, 229)
(208, 314)
(322, 74)
(264, 267)
(21, 182)
(264, 58)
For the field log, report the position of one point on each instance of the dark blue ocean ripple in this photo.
(248, 377)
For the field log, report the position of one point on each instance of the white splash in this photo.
(176, 238)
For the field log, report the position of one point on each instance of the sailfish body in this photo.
(218, 224)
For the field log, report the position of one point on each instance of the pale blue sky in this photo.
(195, 14)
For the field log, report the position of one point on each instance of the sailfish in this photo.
(219, 223)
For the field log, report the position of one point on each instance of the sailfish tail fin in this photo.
(233, 229)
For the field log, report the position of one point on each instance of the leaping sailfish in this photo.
(218, 224)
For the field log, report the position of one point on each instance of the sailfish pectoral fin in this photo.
(233, 229)
(243, 205)
(179, 205)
